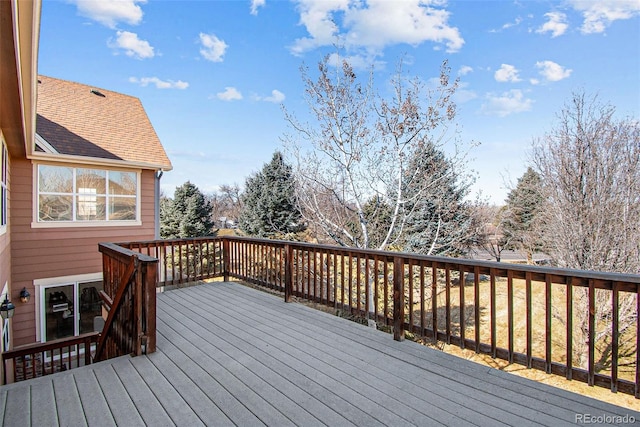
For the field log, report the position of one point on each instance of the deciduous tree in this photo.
(362, 146)
(590, 169)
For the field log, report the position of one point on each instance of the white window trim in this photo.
(35, 223)
(5, 330)
(41, 284)
(3, 148)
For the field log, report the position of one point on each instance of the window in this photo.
(4, 184)
(69, 306)
(68, 194)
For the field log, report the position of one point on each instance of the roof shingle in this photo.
(77, 121)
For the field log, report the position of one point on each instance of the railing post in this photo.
(150, 305)
(398, 298)
(288, 273)
(226, 260)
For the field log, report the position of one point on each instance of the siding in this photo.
(5, 238)
(39, 253)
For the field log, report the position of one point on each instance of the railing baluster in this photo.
(592, 332)
(461, 317)
(510, 313)
(548, 316)
(476, 306)
(447, 308)
(615, 331)
(434, 299)
(494, 326)
(410, 295)
(569, 349)
(529, 317)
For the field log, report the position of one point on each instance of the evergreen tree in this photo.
(187, 215)
(439, 221)
(522, 221)
(269, 204)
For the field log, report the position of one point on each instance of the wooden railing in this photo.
(129, 297)
(579, 324)
(129, 300)
(36, 360)
(182, 260)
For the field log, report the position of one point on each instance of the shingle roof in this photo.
(76, 120)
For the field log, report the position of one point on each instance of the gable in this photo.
(79, 120)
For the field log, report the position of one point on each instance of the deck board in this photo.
(231, 355)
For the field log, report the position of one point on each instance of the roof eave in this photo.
(95, 161)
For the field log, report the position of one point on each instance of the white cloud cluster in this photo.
(110, 12)
(374, 24)
(599, 14)
(255, 5)
(213, 49)
(556, 24)
(230, 94)
(132, 45)
(502, 105)
(276, 97)
(553, 72)
(507, 73)
(160, 84)
(464, 70)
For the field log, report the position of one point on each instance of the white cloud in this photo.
(552, 72)
(374, 24)
(556, 25)
(255, 4)
(506, 103)
(132, 45)
(213, 49)
(160, 84)
(276, 97)
(463, 94)
(110, 12)
(230, 94)
(464, 70)
(507, 73)
(598, 15)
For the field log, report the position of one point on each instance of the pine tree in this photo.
(187, 215)
(269, 204)
(522, 221)
(440, 221)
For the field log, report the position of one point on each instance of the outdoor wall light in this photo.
(7, 308)
(25, 296)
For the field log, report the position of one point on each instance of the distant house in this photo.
(84, 169)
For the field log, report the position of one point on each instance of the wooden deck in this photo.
(231, 355)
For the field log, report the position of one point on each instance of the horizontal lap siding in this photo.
(39, 253)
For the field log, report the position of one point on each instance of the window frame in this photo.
(4, 185)
(41, 285)
(76, 196)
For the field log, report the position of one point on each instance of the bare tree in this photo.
(361, 150)
(492, 236)
(226, 203)
(590, 169)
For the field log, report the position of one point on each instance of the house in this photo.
(81, 165)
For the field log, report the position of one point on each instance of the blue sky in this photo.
(212, 75)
